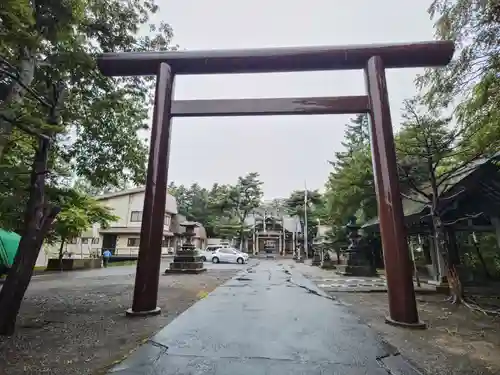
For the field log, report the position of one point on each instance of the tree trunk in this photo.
(15, 94)
(482, 261)
(61, 248)
(37, 222)
(241, 238)
(453, 278)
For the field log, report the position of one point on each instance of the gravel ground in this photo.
(75, 324)
(458, 341)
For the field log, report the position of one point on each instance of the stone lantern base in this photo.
(327, 263)
(316, 261)
(356, 265)
(347, 270)
(186, 261)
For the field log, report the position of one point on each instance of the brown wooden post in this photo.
(402, 304)
(153, 215)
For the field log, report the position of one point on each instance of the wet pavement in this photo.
(268, 320)
(128, 270)
(331, 282)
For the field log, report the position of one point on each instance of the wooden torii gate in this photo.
(373, 59)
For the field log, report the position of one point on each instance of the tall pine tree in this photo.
(357, 133)
(350, 189)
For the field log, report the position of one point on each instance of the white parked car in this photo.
(206, 254)
(209, 250)
(229, 255)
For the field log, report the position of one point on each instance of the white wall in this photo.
(42, 259)
(123, 206)
(120, 208)
(78, 249)
(216, 241)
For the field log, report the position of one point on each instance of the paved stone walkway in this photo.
(331, 282)
(345, 284)
(269, 319)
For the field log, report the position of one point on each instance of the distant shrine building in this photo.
(272, 231)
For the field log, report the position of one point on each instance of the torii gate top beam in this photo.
(268, 60)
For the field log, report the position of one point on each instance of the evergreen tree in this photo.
(350, 189)
(357, 134)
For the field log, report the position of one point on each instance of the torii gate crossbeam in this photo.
(373, 59)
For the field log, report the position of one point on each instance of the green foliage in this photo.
(296, 205)
(297, 202)
(470, 82)
(430, 152)
(427, 151)
(242, 199)
(349, 189)
(78, 213)
(245, 196)
(97, 140)
(102, 115)
(223, 208)
(200, 204)
(480, 116)
(474, 26)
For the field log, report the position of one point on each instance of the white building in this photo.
(122, 236)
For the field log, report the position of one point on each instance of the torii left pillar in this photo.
(153, 215)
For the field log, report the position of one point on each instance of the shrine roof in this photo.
(479, 181)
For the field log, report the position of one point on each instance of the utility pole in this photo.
(305, 221)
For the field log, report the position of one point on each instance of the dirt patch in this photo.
(78, 325)
(458, 341)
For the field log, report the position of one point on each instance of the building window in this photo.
(167, 220)
(71, 241)
(135, 216)
(167, 241)
(95, 241)
(85, 240)
(133, 242)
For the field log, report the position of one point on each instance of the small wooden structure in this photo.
(470, 203)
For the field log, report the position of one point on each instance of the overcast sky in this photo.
(285, 150)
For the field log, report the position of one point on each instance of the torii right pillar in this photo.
(399, 272)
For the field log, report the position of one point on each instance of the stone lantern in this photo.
(300, 248)
(318, 246)
(187, 260)
(356, 262)
(326, 260)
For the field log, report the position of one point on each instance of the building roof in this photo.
(470, 176)
(290, 223)
(171, 204)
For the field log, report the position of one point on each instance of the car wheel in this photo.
(240, 260)
(215, 260)
(203, 259)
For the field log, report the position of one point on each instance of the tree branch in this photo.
(23, 127)
(453, 196)
(413, 185)
(466, 217)
(457, 169)
(38, 97)
(413, 199)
